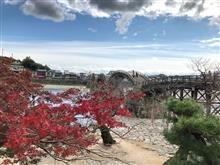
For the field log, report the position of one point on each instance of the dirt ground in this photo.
(123, 152)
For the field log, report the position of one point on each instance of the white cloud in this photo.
(164, 33)
(48, 9)
(214, 42)
(123, 22)
(13, 2)
(155, 35)
(135, 34)
(124, 10)
(124, 37)
(92, 30)
(215, 21)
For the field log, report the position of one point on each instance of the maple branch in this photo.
(53, 156)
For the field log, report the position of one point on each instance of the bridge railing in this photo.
(182, 79)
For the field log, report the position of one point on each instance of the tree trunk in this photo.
(106, 136)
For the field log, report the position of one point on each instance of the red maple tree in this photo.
(35, 123)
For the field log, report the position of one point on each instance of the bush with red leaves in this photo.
(35, 123)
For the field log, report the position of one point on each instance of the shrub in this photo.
(197, 135)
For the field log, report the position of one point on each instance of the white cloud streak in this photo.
(214, 42)
(13, 2)
(93, 30)
(103, 57)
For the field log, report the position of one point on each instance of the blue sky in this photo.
(89, 35)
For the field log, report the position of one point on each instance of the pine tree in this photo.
(197, 135)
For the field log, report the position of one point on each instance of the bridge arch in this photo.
(139, 77)
(121, 75)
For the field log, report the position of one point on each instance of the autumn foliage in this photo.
(35, 123)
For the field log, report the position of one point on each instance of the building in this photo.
(50, 73)
(70, 76)
(17, 67)
(41, 73)
(54, 74)
(58, 74)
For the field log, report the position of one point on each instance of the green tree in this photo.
(29, 63)
(32, 65)
(197, 135)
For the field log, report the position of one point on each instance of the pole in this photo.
(1, 31)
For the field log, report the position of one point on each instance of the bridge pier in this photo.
(181, 94)
(194, 93)
(208, 95)
(174, 93)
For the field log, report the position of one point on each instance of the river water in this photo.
(61, 88)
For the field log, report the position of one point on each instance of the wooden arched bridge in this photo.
(203, 88)
(133, 78)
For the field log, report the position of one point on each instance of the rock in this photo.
(147, 141)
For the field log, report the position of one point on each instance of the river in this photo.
(60, 88)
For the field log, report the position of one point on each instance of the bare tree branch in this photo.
(128, 131)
